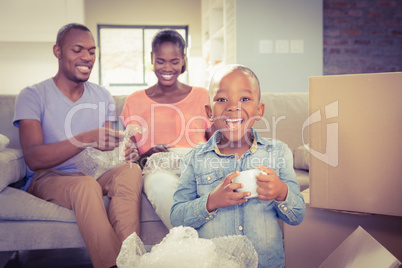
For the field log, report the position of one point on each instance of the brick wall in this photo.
(362, 36)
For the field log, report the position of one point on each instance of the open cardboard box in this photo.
(360, 249)
(355, 130)
(323, 231)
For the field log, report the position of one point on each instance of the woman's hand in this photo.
(223, 195)
(131, 153)
(160, 148)
(157, 149)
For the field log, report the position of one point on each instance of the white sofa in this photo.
(28, 223)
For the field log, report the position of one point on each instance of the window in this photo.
(124, 56)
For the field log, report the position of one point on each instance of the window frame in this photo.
(143, 28)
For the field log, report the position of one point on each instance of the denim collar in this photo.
(211, 144)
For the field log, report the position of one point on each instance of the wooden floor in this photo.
(55, 258)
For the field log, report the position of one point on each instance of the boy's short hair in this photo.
(231, 67)
(66, 28)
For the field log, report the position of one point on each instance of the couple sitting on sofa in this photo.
(61, 116)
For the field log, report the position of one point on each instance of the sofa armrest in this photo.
(12, 167)
(301, 158)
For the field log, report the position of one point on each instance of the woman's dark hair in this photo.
(172, 36)
(66, 28)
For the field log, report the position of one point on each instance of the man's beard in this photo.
(78, 79)
(81, 80)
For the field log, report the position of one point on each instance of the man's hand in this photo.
(106, 139)
(42, 156)
(270, 185)
(223, 195)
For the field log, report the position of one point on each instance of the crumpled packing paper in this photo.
(94, 163)
(183, 248)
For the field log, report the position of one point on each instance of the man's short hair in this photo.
(66, 28)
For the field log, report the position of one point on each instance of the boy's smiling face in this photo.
(234, 106)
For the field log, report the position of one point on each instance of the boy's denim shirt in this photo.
(203, 168)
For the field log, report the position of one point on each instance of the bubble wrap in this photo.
(183, 248)
(94, 163)
(4, 141)
(163, 160)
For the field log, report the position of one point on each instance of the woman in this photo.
(172, 117)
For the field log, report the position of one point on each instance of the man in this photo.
(57, 119)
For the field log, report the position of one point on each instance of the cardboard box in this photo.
(322, 231)
(355, 139)
(360, 249)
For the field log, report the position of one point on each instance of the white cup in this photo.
(249, 180)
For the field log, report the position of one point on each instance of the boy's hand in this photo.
(271, 186)
(223, 195)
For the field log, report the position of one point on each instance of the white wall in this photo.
(37, 21)
(274, 20)
(25, 63)
(27, 33)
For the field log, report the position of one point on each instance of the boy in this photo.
(206, 199)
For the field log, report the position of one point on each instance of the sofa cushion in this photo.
(20, 205)
(12, 167)
(284, 117)
(301, 158)
(34, 235)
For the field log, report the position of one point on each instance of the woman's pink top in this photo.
(178, 125)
